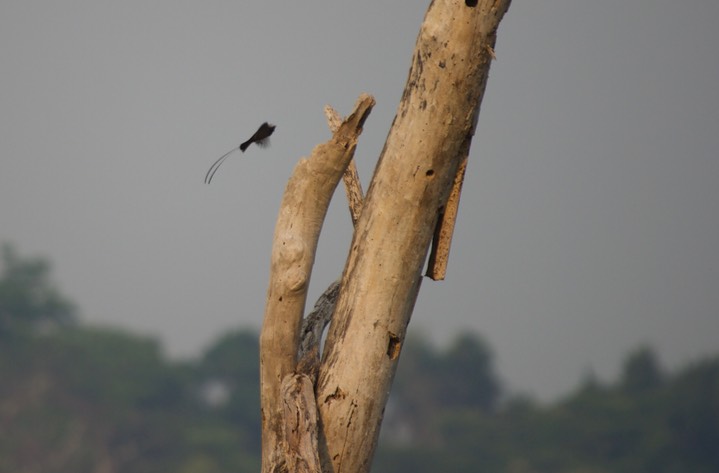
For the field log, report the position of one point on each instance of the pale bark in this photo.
(353, 186)
(423, 160)
(302, 212)
(442, 240)
(431, 132)
(300, 452)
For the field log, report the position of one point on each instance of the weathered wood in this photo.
(353, 186)
(300, 424)
(301, 214)
(442, 240)
(312, 328)
(435, 119)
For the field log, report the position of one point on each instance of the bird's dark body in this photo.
(261, 138)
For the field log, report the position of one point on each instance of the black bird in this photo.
(261, 138)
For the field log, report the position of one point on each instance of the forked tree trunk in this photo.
(425, 149)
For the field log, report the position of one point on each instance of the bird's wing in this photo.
(263, 142)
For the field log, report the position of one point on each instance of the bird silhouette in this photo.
(261, 138)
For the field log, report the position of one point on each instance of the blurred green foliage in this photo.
(28, 299)
(76, 399)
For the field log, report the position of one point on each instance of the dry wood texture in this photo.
(297, 230)
(431, 132)
(413, 196)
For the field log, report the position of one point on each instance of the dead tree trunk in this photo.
(422, 162)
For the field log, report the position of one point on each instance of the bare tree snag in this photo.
(435, 121)
(413, 196)
(300, 218)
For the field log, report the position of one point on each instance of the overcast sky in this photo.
(589, 221)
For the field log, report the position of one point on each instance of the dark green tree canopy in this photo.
(641, 370)
(28, 297)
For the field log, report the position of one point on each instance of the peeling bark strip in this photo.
(432, 130)
(301, 214)
(442, 240)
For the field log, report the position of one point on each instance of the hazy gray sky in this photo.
(589, 221)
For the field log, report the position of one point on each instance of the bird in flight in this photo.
(261, 138)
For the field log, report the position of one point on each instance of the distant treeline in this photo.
(76, 398)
